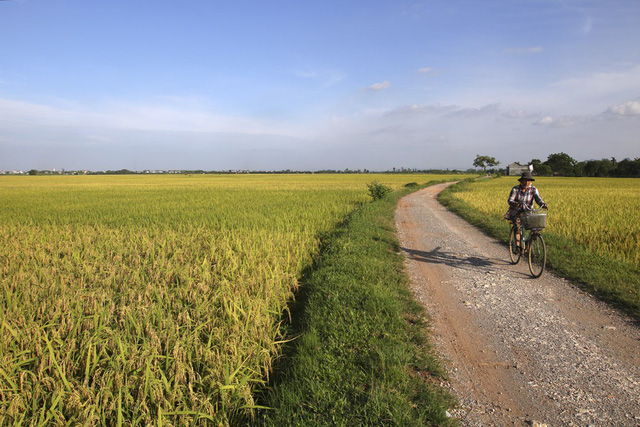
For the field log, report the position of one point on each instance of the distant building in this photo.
(516, 169)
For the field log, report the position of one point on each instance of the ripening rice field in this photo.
(154, 299)
(600, 213)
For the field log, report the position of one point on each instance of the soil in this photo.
(518, 350)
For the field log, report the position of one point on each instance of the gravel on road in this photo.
(519, 350)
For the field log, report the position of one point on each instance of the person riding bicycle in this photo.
(521, 199)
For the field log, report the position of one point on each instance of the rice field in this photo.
(601, 213)
(154, 300)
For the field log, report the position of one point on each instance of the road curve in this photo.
(519, 351)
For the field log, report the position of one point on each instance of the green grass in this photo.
(611, 280)
(361, 354)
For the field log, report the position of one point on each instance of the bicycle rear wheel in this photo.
(537, 255)
(514, 251)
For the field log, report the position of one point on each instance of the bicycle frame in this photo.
(531, 245)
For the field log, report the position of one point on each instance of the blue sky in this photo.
(313, 85)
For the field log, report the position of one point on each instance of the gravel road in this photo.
(519, 351)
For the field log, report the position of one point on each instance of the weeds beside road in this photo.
(361, 356)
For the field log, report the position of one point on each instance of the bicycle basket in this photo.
(534, 220)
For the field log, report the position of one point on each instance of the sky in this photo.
(310, 85)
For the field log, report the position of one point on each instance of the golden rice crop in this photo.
(153, 299)
(601, 213)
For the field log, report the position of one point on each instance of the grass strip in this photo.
(612, 281)
(362, 354)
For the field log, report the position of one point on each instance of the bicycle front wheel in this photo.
(514, 251)
(537, 255)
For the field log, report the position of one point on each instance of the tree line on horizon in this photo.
(562, 164)
(557, 164)
(240, 172)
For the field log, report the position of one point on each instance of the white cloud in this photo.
(425, 70)
(420, 109)
(545, 121)
(490, 109)
(603, 86)
(630, 108)
(164, 114)
(566, 121)
(326, 77)
(524, 50)
(516, 114)
(581, 94)
(380, 86)
(174, 132)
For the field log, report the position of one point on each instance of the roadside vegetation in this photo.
(159, 299)
(361, 355)
(592, 232)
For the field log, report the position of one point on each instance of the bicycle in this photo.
(533, 245)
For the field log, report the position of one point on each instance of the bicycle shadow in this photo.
(465, 262)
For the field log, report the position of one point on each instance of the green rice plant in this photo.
(153, 299)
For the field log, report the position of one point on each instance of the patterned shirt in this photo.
(521, 200)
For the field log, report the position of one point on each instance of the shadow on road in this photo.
(437, 256)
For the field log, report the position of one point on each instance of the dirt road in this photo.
(520, 351)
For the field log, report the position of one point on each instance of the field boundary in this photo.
(361, 354)
(610, 280)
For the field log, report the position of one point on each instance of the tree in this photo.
(540, 168)
(484, 162)
(598, 168)
(561, 164)
(628, 168)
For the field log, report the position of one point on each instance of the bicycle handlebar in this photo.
(545, 207)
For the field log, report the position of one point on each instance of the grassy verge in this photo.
(610, 280)
(361, 356)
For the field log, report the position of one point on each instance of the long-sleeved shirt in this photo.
(521, 200)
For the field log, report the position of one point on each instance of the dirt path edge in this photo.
(518, 350)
